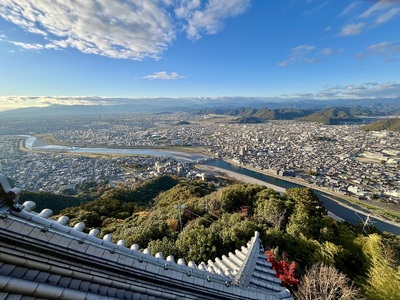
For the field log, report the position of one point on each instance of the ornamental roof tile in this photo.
(45, 258)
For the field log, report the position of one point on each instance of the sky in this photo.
(100, 51)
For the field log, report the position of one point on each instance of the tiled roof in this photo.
(41, 258)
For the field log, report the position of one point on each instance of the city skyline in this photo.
(94, 52)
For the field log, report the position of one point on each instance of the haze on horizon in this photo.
(98, 52)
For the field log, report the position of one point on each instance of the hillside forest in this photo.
(315, 256)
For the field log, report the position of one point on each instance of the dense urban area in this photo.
(342, 158)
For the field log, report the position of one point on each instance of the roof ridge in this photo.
(246, 270)
(240, 271)
(44, 221)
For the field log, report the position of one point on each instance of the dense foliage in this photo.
(294, 226)
(114, 205)
(53, 201)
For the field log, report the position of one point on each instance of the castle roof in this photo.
(42, 258)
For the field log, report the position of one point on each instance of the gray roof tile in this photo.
(18, 272)
(12, 297)
(31, 274)
(75, 284)
(111, 291)
(64, 282)
(120, 293)
(103, 290)
(85, 286)
(6, 269)
(42, 277)
(128, 295)
(54, 279)
(94, 287)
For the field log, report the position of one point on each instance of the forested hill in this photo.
(138, 196)
(331, 116)
(261, 114)
(215, 221)
(386, 124)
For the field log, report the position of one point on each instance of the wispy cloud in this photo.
(368, 90)
(132, 29)
(316, 8)
(349, 8)
(380, 12)
(383, 18)
(308, 54)
(297, 53)
(388, 50)
(163, 76)
(207, 18)
(352, 29)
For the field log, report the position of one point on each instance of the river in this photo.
(331, 205)
(34, 144)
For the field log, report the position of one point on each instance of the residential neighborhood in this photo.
(341, 158)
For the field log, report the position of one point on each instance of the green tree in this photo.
(164, 245)
(234, 197)
(195, 243)
(143, 228)
(273, 209)
(308, 214)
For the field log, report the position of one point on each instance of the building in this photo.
(41, 258)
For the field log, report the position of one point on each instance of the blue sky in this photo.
(95, 51)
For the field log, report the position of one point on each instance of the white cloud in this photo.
(317, 8)
(12, 102)
(350, 8)
(29, 46)
(352, 29)
(297, 53)
(164, 76)
(134, 29)
(368, 90)
(206, 18)
(376, 8)
(388, 50)
(118, 29)
(308, 54)
(387, 16)
(311, 60)
(382, 11)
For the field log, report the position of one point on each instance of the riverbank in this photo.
(378, 213)
(182, 153)
(238, 177)
(48, 139)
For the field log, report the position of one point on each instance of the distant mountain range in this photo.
(262, 108)
(332, 116)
